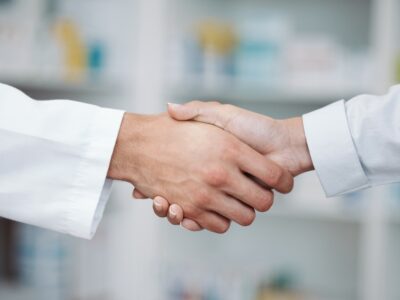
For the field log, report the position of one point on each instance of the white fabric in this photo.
(356, 144)
(54, 157)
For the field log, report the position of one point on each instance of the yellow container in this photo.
(278, 295)
(74, 51)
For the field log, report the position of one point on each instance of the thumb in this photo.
(182, 112)
(206, 112)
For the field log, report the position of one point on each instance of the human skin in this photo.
(282, 141)
(200, 168)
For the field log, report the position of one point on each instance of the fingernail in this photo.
(172, 211)
(157, 204)
(174, 105)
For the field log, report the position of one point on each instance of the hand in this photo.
(199, 166)
(282, 141)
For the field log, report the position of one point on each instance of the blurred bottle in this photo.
(217, 41)
(184, 63)
(96, 59)
(259, 55)
(281, 287)
(74, 50)
(42, 263)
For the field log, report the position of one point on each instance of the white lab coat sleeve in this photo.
(54, 158)
(356, 144)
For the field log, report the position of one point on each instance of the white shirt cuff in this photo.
(91, 188)
(332, 150)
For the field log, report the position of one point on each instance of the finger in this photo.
(213, 222)
(138, 195)
(191, 225)
(251, 193)
(175, 214)
(234, 210)
(206, 112)
(267, 171)
(160, 206)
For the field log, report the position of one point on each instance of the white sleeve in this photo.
(356, 144)
(54, 158)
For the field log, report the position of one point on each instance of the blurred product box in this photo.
(259, 56)
(42, 261)
(266, 53)
(19, 23)
(223, 283)
(313, 61)
(208, 283)
(44, 40)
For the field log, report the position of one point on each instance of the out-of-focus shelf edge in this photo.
(49, 84)
(295, 212)
(256, 94)
(335, 215)
(15, 292)
(394, 217)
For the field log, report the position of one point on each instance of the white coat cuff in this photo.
(332, 150)
(91, 188)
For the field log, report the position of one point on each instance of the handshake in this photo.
(207, 164)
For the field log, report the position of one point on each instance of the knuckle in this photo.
(203, 199)
(266, 201)
(275, 176)
(216, 176)
(229, 150)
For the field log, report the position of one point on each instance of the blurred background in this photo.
(278, 57)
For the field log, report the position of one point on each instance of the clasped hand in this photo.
(207, 175)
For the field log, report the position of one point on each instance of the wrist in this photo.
(298, 144)
(124, 162)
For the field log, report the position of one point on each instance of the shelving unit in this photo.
(315, 215)
(53, 85)
(15, 292)
(259, 95)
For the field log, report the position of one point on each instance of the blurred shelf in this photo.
(394, 217)
(53, 84)
(316, 214)
(15, 292)
(256, 94)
